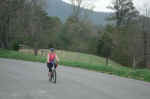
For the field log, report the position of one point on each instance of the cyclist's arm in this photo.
(47, 58)
(57, 59)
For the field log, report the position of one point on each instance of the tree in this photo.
(105, 44)
(78, 36)
(54, 26)
(77, 8)
(8, 13)
(126, 33)
(35, 26)
(145, 30)
(125, 12)
(22, 21)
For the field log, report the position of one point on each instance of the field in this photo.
(80, 60)
(74, 57)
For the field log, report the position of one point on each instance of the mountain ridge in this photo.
(63, 10)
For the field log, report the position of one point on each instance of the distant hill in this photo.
(63, 10)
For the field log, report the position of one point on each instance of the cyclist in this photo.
(52, 60)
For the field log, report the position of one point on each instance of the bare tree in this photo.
(77, 8)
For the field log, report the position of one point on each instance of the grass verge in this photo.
(139, 74)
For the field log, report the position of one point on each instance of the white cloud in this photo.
(101, 5)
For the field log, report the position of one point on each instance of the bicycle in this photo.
(53, 75)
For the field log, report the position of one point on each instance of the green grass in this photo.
(20, 56)
(84, 61)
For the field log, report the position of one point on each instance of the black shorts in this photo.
(50, 66)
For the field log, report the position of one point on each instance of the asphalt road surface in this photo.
(28, 80)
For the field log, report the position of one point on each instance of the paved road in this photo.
(28, 80)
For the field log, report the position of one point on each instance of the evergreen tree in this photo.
(125, 12)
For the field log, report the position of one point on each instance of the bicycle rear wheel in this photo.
(54, 76)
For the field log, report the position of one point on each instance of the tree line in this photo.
(127, 41)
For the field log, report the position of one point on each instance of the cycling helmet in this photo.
(52, 49)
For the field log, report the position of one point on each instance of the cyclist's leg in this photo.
(50, 69)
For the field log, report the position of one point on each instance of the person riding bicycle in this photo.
(52, 60)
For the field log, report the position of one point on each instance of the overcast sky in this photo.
(100, 5)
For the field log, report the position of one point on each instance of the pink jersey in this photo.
(52, 57)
